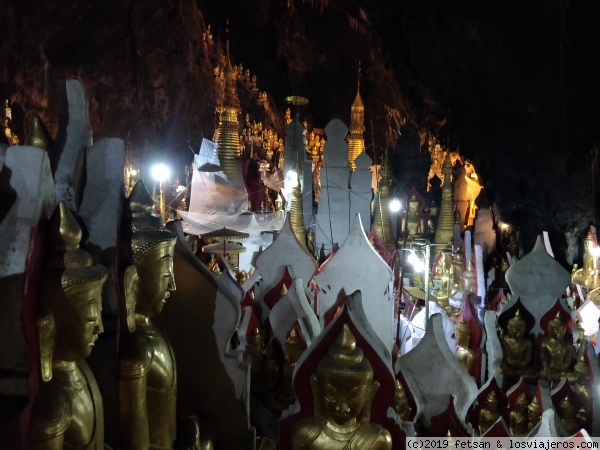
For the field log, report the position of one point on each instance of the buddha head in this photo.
(462, 333)
(533, 411)
(491, 402)
(343, 387)
(413, 206)
(72, 295)
(516, 326)
(522, 403)
(149, 278)
(557, 328)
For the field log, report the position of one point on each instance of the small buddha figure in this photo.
(67, 411)
(255, 352)
(401, 405)
(555, 351)
(489, 413)
(518, 418)
(567, 416)
(587, 276)
(469, 278)
(534, 413)
(581, 381)
(414, 226)
(463, 353)
(516, 347)
(147, 381)
(343, 389)
(292, 350)
(458, 265)
(444, 276)
(213, 265)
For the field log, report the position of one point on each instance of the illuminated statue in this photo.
(489, 414)
(463, 353)
(415, 224)
(517, 418)
(587, 276)
(516, 348)
(343, 389)
(567, 416)
(147, 377)
(534, 413)
(400, 404)
(67, 410)
(445, 274)
(469, 278)
(213, 265)
(555, 351)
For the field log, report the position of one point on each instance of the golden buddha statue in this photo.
(147, 376)
(534, 413)
(67, 410)
(400, 404)
(292, 350)
(581, 381)
(567, 416)
(555, 351)
(213, 265)
(587, 276)
(516, 348)
(518, 419)
(464, 354)
(469, 278)
(343, 389)
(444, 276)
(489, 414)
(414, 225)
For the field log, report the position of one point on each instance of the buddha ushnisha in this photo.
(147, 373)
(67, 410)
(343, 389)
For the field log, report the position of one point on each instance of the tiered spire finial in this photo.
(445, 229)
(356, 142)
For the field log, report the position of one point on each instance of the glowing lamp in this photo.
(160, 172)
(416, 262)
(395, 205)
(291, 179)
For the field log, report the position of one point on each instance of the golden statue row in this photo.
(67, 410)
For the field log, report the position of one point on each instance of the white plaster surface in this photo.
(547, 426)
(360, 189)
(74, 137)
(100, 207)
(358, 267)
(284, 251)
(538, 280)
(438, 374)
(484, 231)
(493, 347)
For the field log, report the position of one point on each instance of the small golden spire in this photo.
(445, 229)
(38, 135)
(356, 142)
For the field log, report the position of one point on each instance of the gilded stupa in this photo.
(296, 217)
(356, 142)
(382, 222)
(445, 228)
(228, 135)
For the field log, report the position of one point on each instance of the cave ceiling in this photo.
(513, 85)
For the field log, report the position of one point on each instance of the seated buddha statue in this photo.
(534, 413)
(489, 413)
(147, 377)
(343, 389)
(400, 404)
(518, 419)
(213, 265)
(464, 354)
(581, 381)
(567, 416)
(516, 348)
(444, 276)
(414, 225)
(555, 351)
(587, 276)
(67, 409)
(469, 278)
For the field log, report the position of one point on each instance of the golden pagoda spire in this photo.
(356, 142)
(382, 221)
(445, 228)
(228, 140)
(296, 215)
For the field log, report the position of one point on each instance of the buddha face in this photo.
(155, 279)
(78, 322)
(462, 335)
(342, 397)
(516, 329)
(556, 329)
